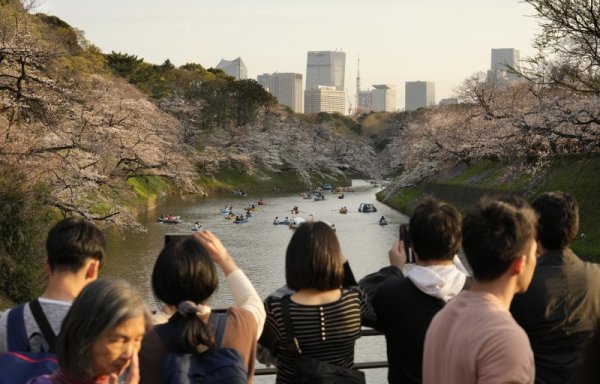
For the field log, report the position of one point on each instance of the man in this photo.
(474, 338)
(562, 305)
(405, 305)
(75, 251)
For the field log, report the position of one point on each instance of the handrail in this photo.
(363, 365)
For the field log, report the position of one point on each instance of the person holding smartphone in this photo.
(406, 303)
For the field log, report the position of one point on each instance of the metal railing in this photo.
(362, 365)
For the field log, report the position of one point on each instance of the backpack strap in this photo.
(287, 322)
(218, 321)
(42, 322)
(17, 334)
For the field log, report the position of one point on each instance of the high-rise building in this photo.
(502, 60)
(325, 69)
(419, 94)
(384, 98)
(235, 68)
(324, 99)
(365, 102)
(286, 87)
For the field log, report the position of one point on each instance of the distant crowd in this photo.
(522, 309)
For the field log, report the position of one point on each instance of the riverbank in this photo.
(464, 185)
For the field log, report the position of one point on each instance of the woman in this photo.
(101, 336)
(325, 317)
(184, 278)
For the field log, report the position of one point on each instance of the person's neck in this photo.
(503, 289)
(311, 296)
(64, 286)
(430, 263)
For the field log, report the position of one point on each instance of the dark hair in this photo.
(71, 242)
(314, 258)
(558, 221)
(185, 272)
(495, 233)
(100, 307)
(435, 230)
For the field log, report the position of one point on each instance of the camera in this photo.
(177, 237)
(405, 237)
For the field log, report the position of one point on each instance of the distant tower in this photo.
(357, 102)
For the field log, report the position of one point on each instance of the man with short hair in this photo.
(75, 251)
(405, 305)
(474, 338)
(562, 304)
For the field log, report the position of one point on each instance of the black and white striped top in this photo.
(326, 332)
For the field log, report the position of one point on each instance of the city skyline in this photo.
(397, 41)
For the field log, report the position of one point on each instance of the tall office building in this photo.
(325, 69)
(502, 59)
(235, 68)
(324, 99)
(419, 94)
(365, 101)
(286, 87)
(384, 98)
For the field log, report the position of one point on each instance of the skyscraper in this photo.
(324, 99)
(235, 68)
(419, 94)
(502, 60)
(327, 69)
(286, 87)
(384, 98)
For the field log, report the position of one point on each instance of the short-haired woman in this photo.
(325, 316)
(101, 336)
(184, 278)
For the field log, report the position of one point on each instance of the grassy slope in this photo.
(578, 175)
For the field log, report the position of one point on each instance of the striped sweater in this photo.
(326, 332)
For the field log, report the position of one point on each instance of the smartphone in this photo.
(405, 237)
(177, 237)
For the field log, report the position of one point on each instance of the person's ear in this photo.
(92, 270)
(519, 264)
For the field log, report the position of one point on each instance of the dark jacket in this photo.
(404, 313)
(559, 312)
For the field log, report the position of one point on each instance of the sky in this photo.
(443, 41)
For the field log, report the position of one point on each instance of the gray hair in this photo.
(100, 307)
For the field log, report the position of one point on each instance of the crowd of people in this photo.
(523, 309)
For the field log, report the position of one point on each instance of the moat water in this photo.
(259, 246)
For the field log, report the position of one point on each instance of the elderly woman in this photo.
(184, 278)
(325, 317)
(101, 336)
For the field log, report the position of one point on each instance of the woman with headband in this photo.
(184, 278)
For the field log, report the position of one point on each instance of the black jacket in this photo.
(559, 312)
(404, 313)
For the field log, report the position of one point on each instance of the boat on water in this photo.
(319, 198)
(307, 197)
(341, 196)
(366, 208)
(242, 221)
(281, 222)
(261, 202)
(295, 222)
(383, 222)
(326, 187)
(343, 210)
(169, 219)
(239, 192)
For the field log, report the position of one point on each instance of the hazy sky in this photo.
(443, 41)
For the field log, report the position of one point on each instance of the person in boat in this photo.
(253, 206)
(162, 216)
(276, 221)
(382, 220)
(197, 226)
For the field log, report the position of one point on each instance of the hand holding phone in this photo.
(405, 238)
